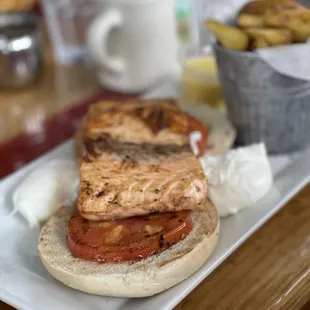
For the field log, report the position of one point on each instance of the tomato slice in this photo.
(129, 239)
(195, 125)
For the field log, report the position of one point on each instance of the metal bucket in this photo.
(263, 104)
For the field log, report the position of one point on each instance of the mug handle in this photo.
(97, 39)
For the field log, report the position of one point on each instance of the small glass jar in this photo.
(199, 82)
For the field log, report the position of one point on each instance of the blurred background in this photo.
(58, 56)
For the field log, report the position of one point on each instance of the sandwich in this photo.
(143, 221)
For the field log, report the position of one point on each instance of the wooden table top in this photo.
(269, 271)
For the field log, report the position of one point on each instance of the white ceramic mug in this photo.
(135, 43)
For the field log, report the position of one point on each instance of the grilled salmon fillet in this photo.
(138, 161)
(152, 121)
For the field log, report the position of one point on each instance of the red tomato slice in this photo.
(127, 239)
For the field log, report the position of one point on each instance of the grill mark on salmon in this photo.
(156, 118)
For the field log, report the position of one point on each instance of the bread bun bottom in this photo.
(147, 277)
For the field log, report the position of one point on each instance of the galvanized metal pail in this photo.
(264, 105)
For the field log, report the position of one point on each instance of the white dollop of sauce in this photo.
(194, 138)
(46, 189)
(238, 178)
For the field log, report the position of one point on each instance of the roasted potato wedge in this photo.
(260, 7)
(264, 23)
(300, 30)
(230, 37)
(250, 20)
(280, 18)
(258, 42)
(274, 19)
(273, 37)
(298, 22)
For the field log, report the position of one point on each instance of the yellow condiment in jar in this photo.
(200, 82)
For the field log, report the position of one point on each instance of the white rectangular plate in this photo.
(25, 284)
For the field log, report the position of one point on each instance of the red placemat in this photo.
(26, 147)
